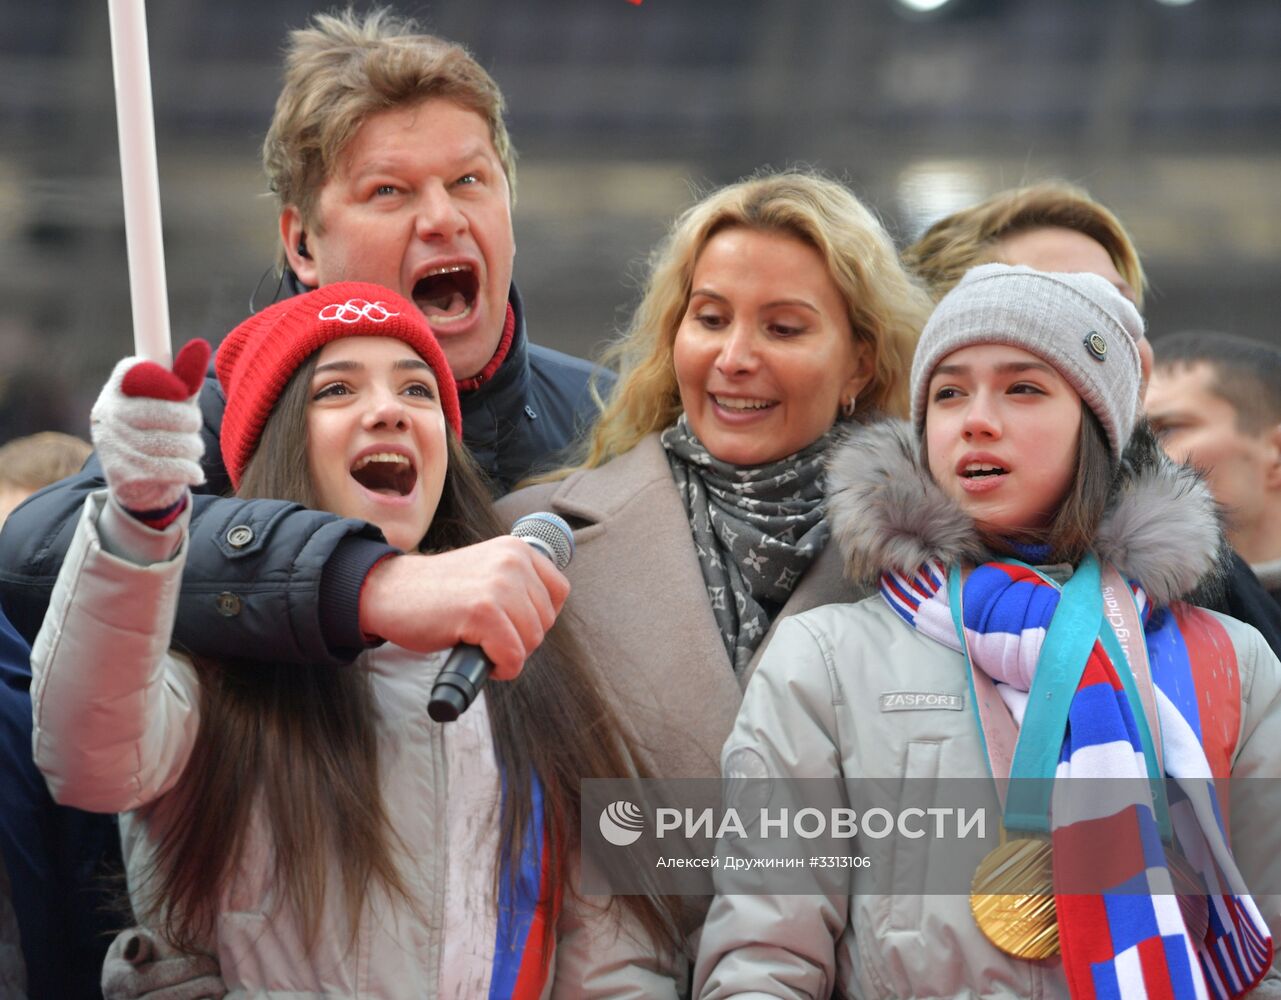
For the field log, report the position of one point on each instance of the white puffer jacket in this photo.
(116, 714)
(850, 691)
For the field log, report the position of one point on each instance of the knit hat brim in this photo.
(1078, 323)
(259, 357)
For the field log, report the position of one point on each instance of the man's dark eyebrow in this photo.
(475, 151)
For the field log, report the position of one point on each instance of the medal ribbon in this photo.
(1032, 750)
(1182, 925)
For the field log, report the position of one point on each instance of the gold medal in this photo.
(1012, 898)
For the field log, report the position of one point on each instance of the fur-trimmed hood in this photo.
(1161, 528)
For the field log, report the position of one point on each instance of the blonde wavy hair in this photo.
(887, 308)
(972, 236)
(344, 68)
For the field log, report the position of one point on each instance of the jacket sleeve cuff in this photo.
(340, 585)
(124, 536)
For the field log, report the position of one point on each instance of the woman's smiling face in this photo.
(1002, 428)
(765, 355)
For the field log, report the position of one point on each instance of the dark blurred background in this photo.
(1168, 112)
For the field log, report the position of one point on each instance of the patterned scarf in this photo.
(1123, 943)
(756, 528)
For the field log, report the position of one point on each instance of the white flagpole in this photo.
(134, 119)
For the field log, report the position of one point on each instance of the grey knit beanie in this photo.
(1079, 323)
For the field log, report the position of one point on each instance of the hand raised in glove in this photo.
(146, 428)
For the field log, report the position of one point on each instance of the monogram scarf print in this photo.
(756, 528)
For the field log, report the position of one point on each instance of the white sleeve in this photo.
(115, 713)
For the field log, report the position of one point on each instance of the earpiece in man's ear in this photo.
(302, 247)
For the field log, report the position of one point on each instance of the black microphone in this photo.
(468, 667)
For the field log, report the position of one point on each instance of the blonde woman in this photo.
(775, 314)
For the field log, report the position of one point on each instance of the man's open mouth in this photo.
(385, 472)
(447, 293)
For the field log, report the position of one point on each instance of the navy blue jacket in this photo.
(276, 578)
(64, 865)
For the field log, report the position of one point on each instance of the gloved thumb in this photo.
(156, 382)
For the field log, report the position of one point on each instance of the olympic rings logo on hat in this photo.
(354, 310)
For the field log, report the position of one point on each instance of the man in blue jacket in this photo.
(391, 163)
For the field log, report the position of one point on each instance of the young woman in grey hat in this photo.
(1029, 622)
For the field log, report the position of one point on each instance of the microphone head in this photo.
(548, 533)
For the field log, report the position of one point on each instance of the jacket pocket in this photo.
(910, 861)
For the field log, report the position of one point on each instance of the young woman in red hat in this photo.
(311, 827)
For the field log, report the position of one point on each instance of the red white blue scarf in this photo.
(527, 911)
(1125, 943)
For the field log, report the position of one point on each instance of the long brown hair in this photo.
(301, 741)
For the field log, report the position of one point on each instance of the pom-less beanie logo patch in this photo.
(1096, 345)
(354, 310)
(621, 823)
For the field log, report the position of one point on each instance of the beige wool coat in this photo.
(641, 608)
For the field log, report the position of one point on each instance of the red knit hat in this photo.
(259, 356)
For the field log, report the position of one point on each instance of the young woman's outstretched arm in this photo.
(114, 711)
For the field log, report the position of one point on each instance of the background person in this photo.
(1056, 226)
(33, 462)
(310, 827)
(1214, 402)
(63, 864)
(391, 162)
(52, 914)
(775, 312)
(1024, 394)
(56, 860)
(1051, 226)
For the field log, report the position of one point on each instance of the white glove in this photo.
(146, 429)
